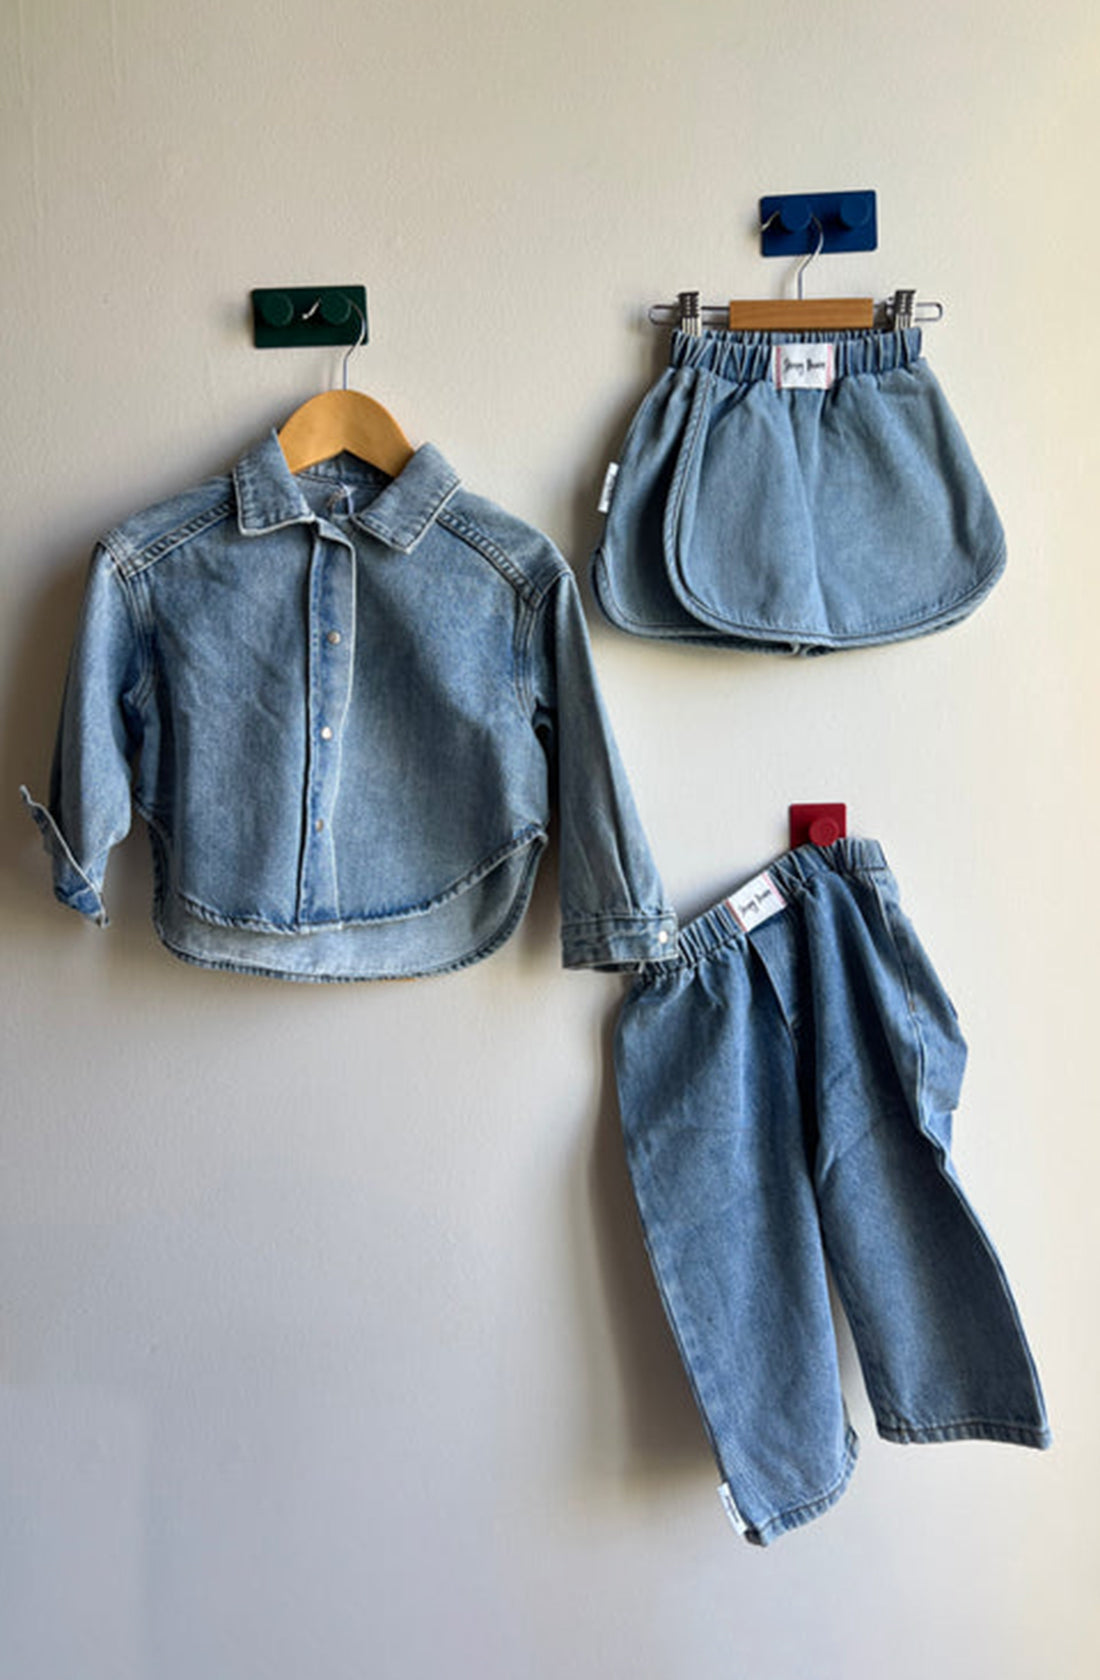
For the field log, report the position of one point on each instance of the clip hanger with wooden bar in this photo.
(338, 420)
(902, 309)
(799, 313)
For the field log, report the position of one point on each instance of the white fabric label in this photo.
(731, 1510)
(609, 478)
(803, 367)
(755, 902)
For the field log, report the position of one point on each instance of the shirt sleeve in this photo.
(90, 781)
(614, 910)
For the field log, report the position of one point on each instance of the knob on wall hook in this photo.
(817, 824)
(855, 210)
(793, 215)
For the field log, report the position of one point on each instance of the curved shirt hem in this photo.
(254, 923)
(459, 931)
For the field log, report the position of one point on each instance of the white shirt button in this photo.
(662, 938)
(319, 825)
(326, 733)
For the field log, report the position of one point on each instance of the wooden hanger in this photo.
(810, 314)
(337, 420)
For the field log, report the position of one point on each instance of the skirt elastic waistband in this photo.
(743, 357)
(789, 874)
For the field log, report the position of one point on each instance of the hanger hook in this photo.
(359, 342)
(810, 257)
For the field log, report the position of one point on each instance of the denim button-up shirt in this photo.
(343, 704)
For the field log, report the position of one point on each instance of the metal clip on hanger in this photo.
(905, 310)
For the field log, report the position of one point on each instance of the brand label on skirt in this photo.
(756, 901)
(803, 367)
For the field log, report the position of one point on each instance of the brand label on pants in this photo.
(802, 367)
(756, 901)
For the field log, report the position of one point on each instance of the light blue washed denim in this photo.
(792, 520)
(786, 1098)
(351, 701)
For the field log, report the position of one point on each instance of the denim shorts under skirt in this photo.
(746, 513)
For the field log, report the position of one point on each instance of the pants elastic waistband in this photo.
(743, 357)
(790, 873)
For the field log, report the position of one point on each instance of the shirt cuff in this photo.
(612, 942)
(71, 884)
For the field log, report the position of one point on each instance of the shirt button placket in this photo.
(331, 624)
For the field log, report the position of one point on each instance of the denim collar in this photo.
(268, 497)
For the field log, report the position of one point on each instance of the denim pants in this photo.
(786, 1088)
(752, 512)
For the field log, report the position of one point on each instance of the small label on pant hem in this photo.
(731, 1510)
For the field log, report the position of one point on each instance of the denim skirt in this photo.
(758, 506)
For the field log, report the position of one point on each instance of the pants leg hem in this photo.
(967, 1429)
(796, 1516)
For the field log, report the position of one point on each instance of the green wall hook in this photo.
(291, 315)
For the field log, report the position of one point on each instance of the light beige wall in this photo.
(327, 1346)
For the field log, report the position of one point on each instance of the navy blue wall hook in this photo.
(792, 223)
